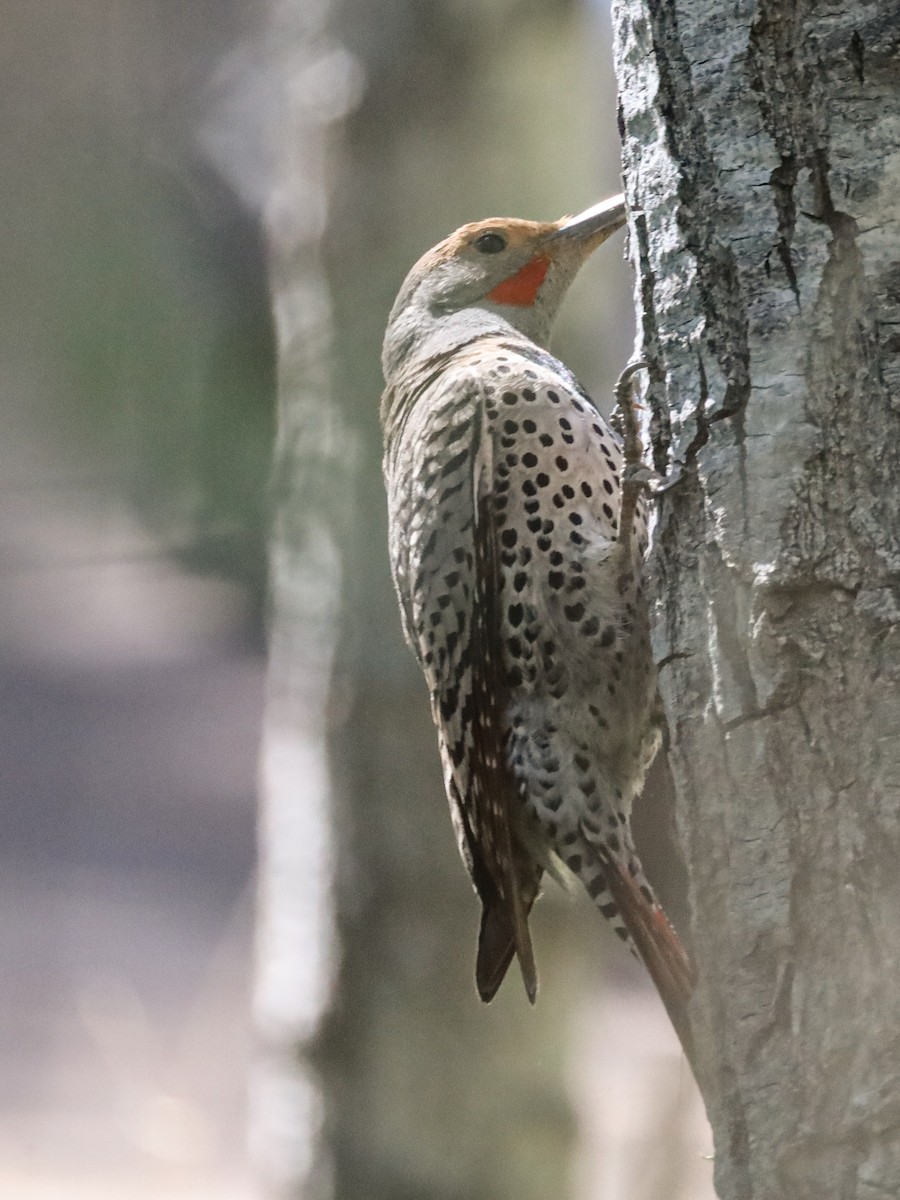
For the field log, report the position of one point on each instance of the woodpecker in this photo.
(517, 542)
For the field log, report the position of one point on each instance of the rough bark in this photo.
(762, 159)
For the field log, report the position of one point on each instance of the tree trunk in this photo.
(761, 159)
(296, 938)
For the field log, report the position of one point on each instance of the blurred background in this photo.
(236, 938)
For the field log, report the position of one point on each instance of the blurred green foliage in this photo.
(136, 314)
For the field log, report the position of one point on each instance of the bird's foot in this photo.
(635, 473)
(637, 477)
(658, 485)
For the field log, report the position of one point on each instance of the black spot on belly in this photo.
(596, 888)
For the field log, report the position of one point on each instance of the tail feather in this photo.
(496, 946)
(499, 938)
(658, 945)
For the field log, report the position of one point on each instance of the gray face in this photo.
(494, 274)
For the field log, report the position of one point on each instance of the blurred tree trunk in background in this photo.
(762, 158)
(311, 83)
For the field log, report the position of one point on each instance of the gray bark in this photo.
(762, 155)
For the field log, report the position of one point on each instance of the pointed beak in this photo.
(592, 227)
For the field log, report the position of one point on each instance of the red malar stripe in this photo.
(521, 289)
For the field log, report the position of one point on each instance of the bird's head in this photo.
(497, 273)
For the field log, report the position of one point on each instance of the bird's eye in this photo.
(490, 242)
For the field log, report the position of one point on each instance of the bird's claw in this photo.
(623, 384)
(642, 476)
(664, 483)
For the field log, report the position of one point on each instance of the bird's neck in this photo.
(413, 361)
(417, 335)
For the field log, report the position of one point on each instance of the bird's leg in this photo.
(626, 425)
(636, 475)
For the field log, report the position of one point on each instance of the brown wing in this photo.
(513, 877)
(445, 565)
